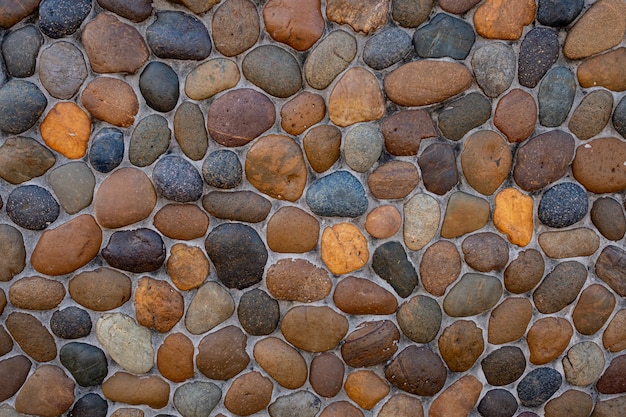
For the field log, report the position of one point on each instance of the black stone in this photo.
(20, 49)
(21, 105)
(497, 403)
(139, 250)
(32, 207)
(87, 363)
(89, 405)
(444, 36)
(390, 262)
(504, 366)
(222, 169)
(107, 149)
(538, 52)
(238, 253)
(59, 18)
(619, 117)
(177, 179)
(158, 84)
(463, 115)
(178, 35)
(556, 96)
(563, 205)
(538, 386)
(386, 48)
(559, 12)
(258, 313)
(70, 323)
(438, 165)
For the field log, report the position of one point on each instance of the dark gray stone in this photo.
(556, 96)
(273, 69)
(87, 363)
(135, 10)
(463, 115)
(21, 105)
(608, 217)
(339, 194)
(619, 117)
(390, 262)
(539, 50)
(560, 287)
(538, 386)
(197, 399)
(563, 205)
(444, 36)
(59, 18)
(178, 35)
(258, 313)
(139, 250)
(177, 179)
(497, 403)
(89, 405)
(222, 169)
(158, 84)
(70, 323)
(504, 366)
(12, 247)
(32, 207)
(386, 48)
(559, 13)
(107, 149)
(20, 49)
(150, 139)
(299, 403)
(411, 13)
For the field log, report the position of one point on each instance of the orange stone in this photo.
(297, 23)
(614, 337)
(175, 358)
(248, 394)
(158, 305)
(458, 399)
(131, 389)
(356, 98)
(402, 405)
(66, 129)
(513, 216)
(344, 248)
(111, 100)
(486, 161)
(509, 320)
(548, 338)
(606, 70)
(341, 409)
(302, 112)
(504, 19)
(187, 266)
(366, 388)
(292, 230)
(383, 222)
(516, 115)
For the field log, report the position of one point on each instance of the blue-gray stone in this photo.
(463, 115)
(390, 262)
(539, 50)
(559, 13)
(619, 117)
(107, 149)
(386, 48)
(70, 323)
(222, 169)
(59, 18)
(177, 179)
(556, 96)
(149, 140)
(339, 194)
(20, 49)
(362, 146)
(444, 36)
(494, 68)
(538, 386)
(21, 105)
(563, 205)
(139, 250)
(90, 405)
(158, 84)
(178, 35)
(299, 403)
(32, 207)
(87, 363)
(197, 399)
(3, 71)
(497, 403)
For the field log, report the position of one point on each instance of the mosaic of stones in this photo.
(313, 208)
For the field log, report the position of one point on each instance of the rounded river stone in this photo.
(90, 405)
(70, 323)
(497, 403)
(158, 84)
(177, 179)
(59, 18)
(339, 194)
(107, 149)
(504, 366)
(472, 295)
(619, 117)
(273, 69)
(222, 169)
(556, 96)
(32, 207)
(197, 399)
(563, 205)
(444, 36)
(391, 263)
(538, 386)
(559, 13)
(21, 105)
(538, 52)
(20, 49)
(494, 67)
(300, 403)
(87, 363)
(386, 48)
(139, 250)
(420, 319)
(258, 312)
(178, 35)
(560, 287)
(126, 342)
(417, 370)
(150, 139)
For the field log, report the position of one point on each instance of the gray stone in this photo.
(556, 96)
(62, 70)
(70, 323)
(90, 405)
(12, 246)
(421, 221)
(158, 84)
(563, 205)
(338, 194)
(619, 117)
(258, 312)
(177, 179)
(243, 206)
(386, 48)
(210, 306)
(32, 207)
(472, 295)
(150, 139)
(222, 169)
(538, 51)
(362, 146)
(411, 13)
(559, 13)
(73, 184)
(329, 58)
(273, 69)
(497, 403)
(504, 366)
(560, 287)
(538, 386)
(21, 105)
(107, 149)
(197, 399)
(444, 36)
(591, 115)
(59, 18)
(87, 363)
(494, 68)
(299, 403)
(20, 49)
(463, 115)
(420, 318)
(126, 342)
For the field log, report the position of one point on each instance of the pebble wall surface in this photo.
(392, 208)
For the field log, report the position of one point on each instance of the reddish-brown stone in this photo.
(248, 394)
(403, 131)
(12, 11)
(393, 180)
(548, 338)
(235, 27)
(297, 280)
(372, 343)
(34, 339)
(281, 361)
(111, 100)
(516, 115)
(607, 70)
(36, 293)
(457, 6)
(292, 230)
(614, 336)
(485, 251)
(341, 409)
(509, 320)
(175, 357)
(314, 328)
(362, 296)
(383, 222)
(14, 371)
(149, 390)
(599, 165)
(524, 272)
(187, 266)
(402, 405)
(356, 98)
(461, 344)
(158, 306)
(326, 376)
(458, 399)
(366, 388)
(48, 392)
(297, 23)
(613, 380)
(322, 146)
(440, 267)
(595, 306)
(486, 161)
(222, 354)
(100, 290)
(417, 370)
(181, 221)
(497, 19)
(301, 112)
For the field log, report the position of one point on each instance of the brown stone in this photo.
(343, 248)
(248, 394)
(275, 166)
(244, 206)
(425, 82)
(572, 403)
(301, 112)
(197, 6)
(486, 161)
(326, 376)
(187, 266)
(608, 217)
(569, 243)
(292, 230)
(48, 392)
(403, 131)
(222, 354)
(607, 70)
(417, 370)
(149, 390)
(68, 247)
(181, 221)
(614, 336)
(458, 399)
(457, 6)
(175, 357)
(509, 320)
(211, 305)
(297, 280)
(393, 180)
(127, 412)
(547, 338)
(36, 293)
(591, 115)
(363, 16)
(525, 272)
(281, 361)
(560, 287)
(611, 268)
(485, 251)
(513, 216)
(439, 168)
(372, 343)
(66, 129)
(22, 159)
(383, 222)
(361, 296)
(460, 345)
(594, 307)
(210, 78)
(322, 146)
(516, 115)
(135, 10)
(14, 371)
(366, 388)
(610, 408)
(440, 266)
(599, 165)
(125, 197)
(3, 300)
(158, 306)
(6, 343)
(497, 19)
(356, 98)
(613, 380)
(101, 39)
(100, 290)
(12, 11)
(297, 23)
(465, 213)
(34, 339)
(111, 100)
(235, 27)
(313, 328)
(402, 405)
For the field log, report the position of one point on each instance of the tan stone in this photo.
(362, 15)
(599, 165)
(48, 392)
(548, 338)
(614, 337)
(383, 222)
(356, 98)
(36, 293)
(361, 296)
(12, 11)
(486, 161)
(187, 266)
(366, 388)
(516, 115)
(211, 305)
(281, 361)
(127, 412)
(292, 230)
(425, 82)
(68, 247)
(513, 216)
(440, 266)
(464, 214)
(402, 405)
(606, 70)
(131, 389)
(301, 112)
(569, 243)
(502, 19)
(509, 320)
(248, 394)
(458, 399)
(297, 280)
(100, 290)
(210, 78)
(314, 328)
(572, 403)
(66, 129)
(297, 23)
(158, 306)
(344, 248)
(181, 221)
(175, 357)
(111, 100)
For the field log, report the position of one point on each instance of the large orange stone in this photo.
(513, 216)
(66, 129)
(356, 98)
(344, 248)
(504, 19)
(175, 358)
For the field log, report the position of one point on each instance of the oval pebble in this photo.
(562, 205)
(560, 287)
(70, 323)
(329, 58)
(391, 263)
(23, 158)
(417, 370)
(21, 105)
(583, 363)
(386, 48)
(371, 343)
(494, 67)
(150, 140)
(313, 328)
(272, 69)
(128, 343)
(592, 114)
(473, 294)
(538, 386)
(138, 250)
(90, 405)
(59, 18)
(258, 313)
(87, 363)
(444, 36)
(556, 96)
(20, 49)
(107, 149)
(281, 361)
(178, 35)
(362, 146)
(419, 318)
(36, 293)
(190, 131)
(504, 365)
(102, 289)
(235, 27)
(177, 179)
(211, 77)
(599, 165)
(30, 334)
(222, 354)
(158, 84)
(32, 207)
(339, 194)
(497, 403)
(301, 403)
(538, 52)
(196, 399)
(210, 306)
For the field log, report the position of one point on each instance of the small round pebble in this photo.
(383, 222)
(420, 318)
(485, 251)
(211, 305)
(70, 323)
(107, 149)
(463, 115)
(178, 35)
(90, 405)
(563, 205)
(177, 179)
(235, 27)
(497, 403)
(197, 399)
(504, 366)
(494, 67)
(439, 168)
(21, 105)
(258, 313)
(386, 48)
(87, 363)
(538, 386)
(326, 375)
(32, 207)
(472, 294)
(158, 84)
(73, 184)
(20, 49)
(59, 18)
(583, 363)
